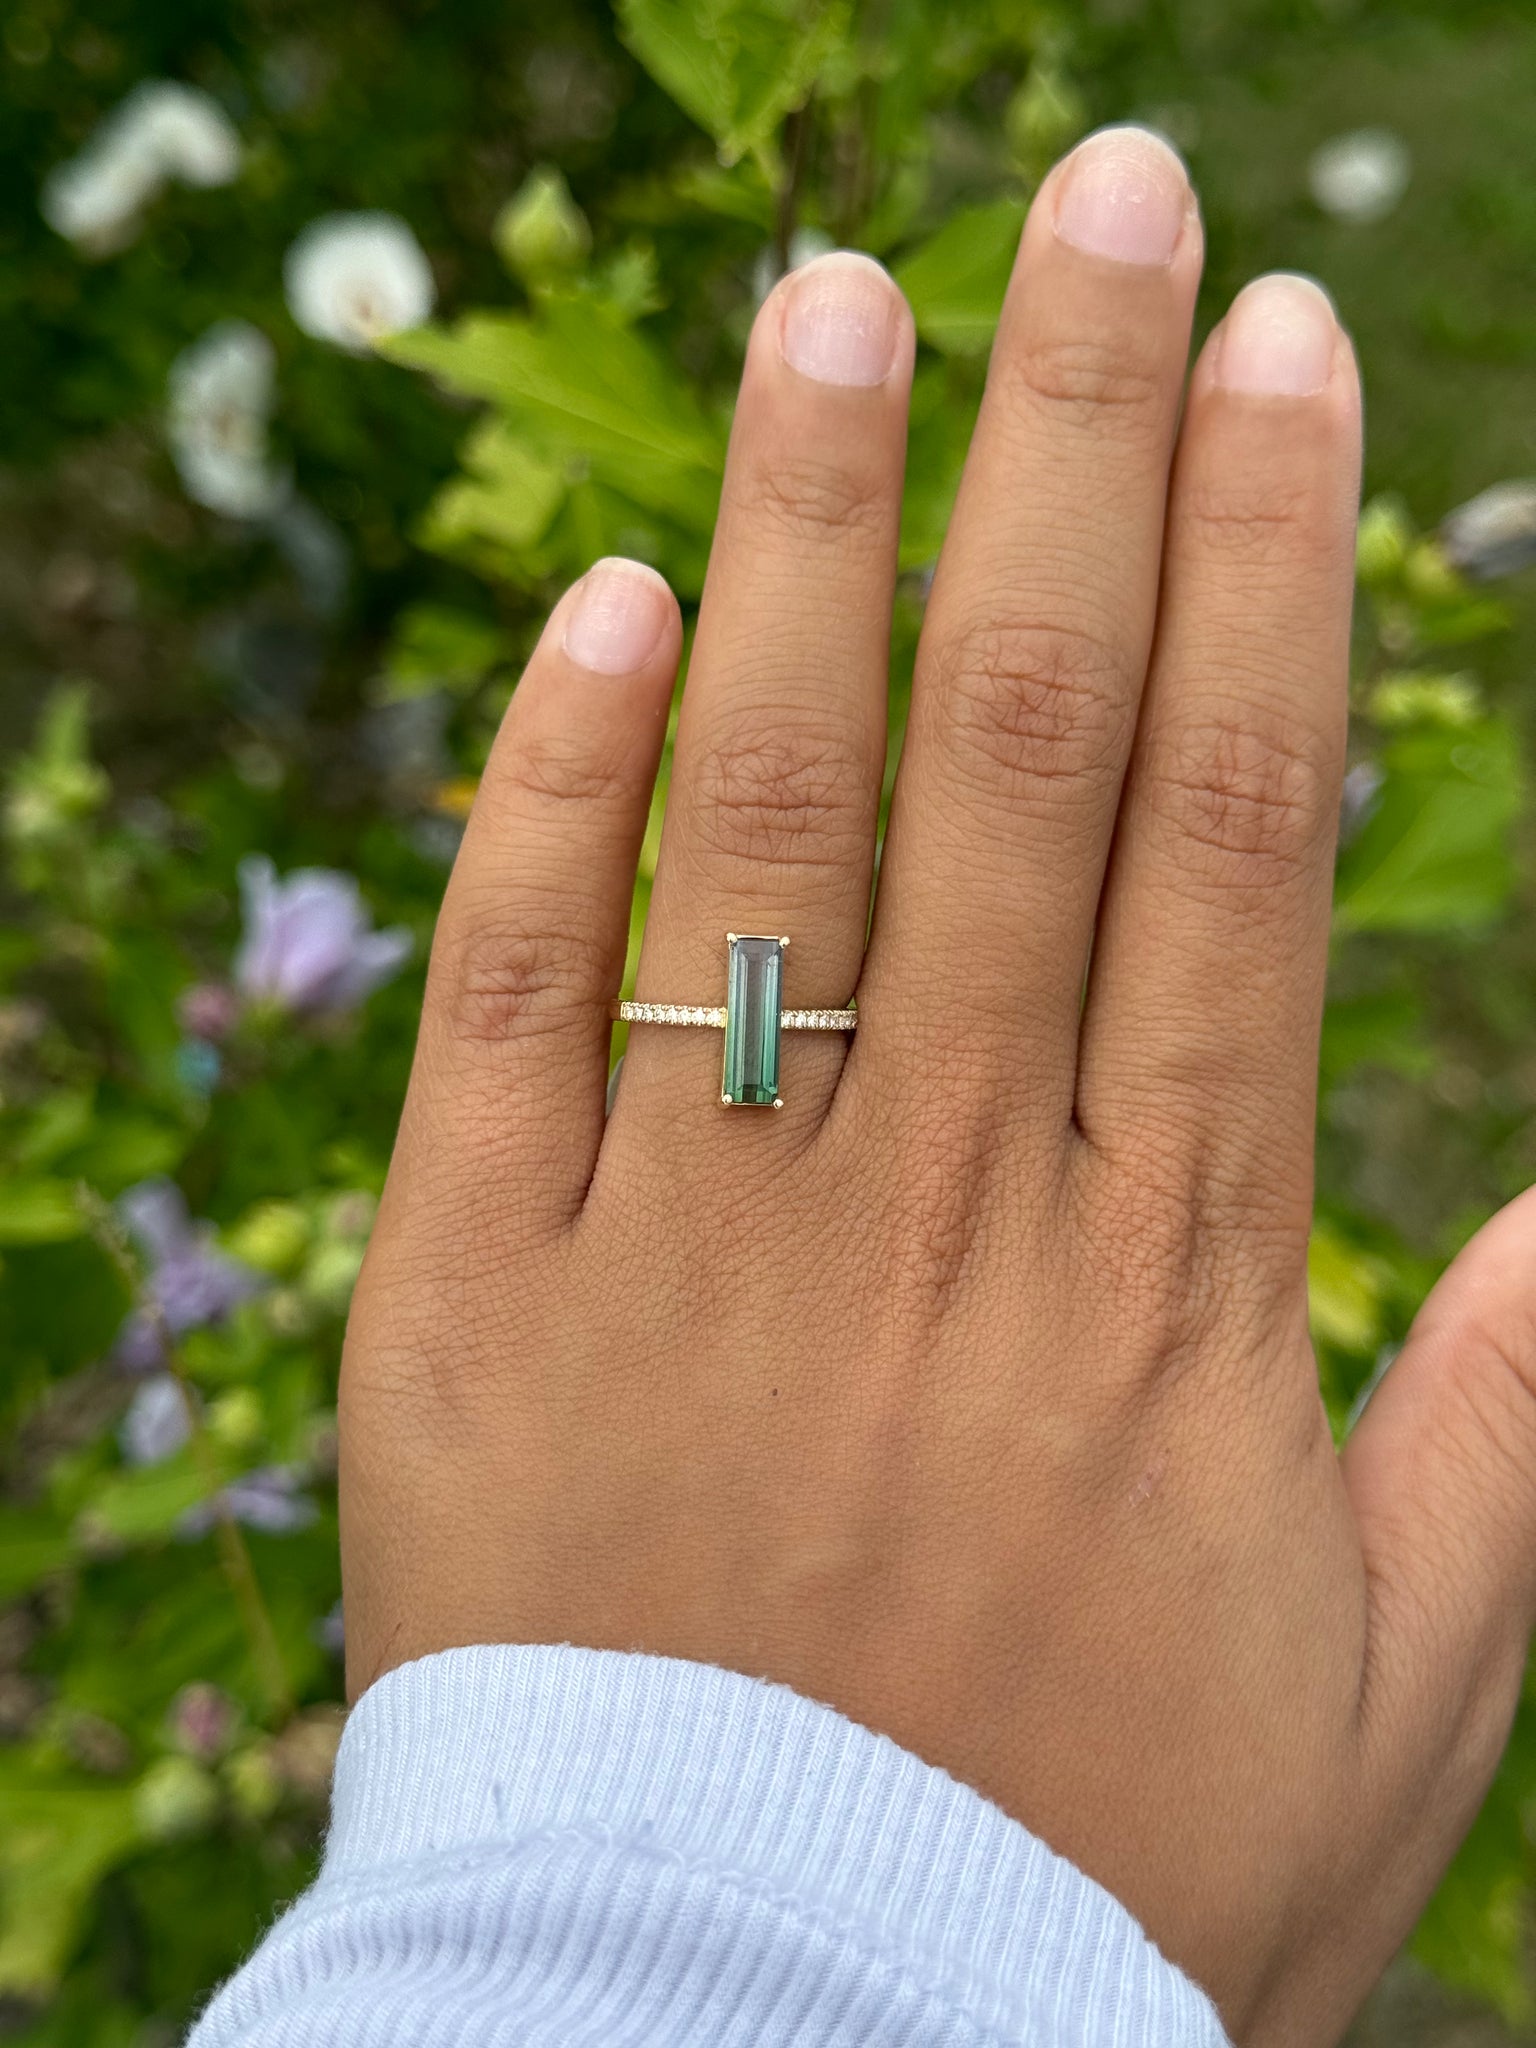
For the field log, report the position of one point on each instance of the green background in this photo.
(174, 698)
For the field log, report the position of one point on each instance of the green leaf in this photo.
(956, 281)
(60, 1123)
(38, 1212)
(57, 1842)
(438, 647)
(736, 66)
(125, 1149)
(939, 433)
(592, 390)
(1380, 1030)
(1434, 854)
(32, 1545)
(135, 1506)
(1452, 625)
(506, 499)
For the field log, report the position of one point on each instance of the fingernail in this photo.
(1123, 193)
(841, 320)
(619, 615)
(1279, 338)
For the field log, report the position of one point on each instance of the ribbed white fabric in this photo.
(555, 1847)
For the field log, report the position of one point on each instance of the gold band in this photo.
(714, 1019)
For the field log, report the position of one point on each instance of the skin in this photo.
(972, 1392)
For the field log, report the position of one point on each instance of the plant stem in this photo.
(859, 166)
(233, 1551)
(796, 134)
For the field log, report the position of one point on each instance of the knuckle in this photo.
(1143, 1240)
(1081, 377)
(1254, 523)
(805, 499)
(1249, 799)
(794, 797)
(555, 769)
(1175, 1248)
(1023, 703)
(933, 1228)
(1493, 1367)
(505, 982)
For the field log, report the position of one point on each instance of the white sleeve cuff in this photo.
(549, 1845)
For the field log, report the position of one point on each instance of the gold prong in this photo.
(730, 938)
(782, 944)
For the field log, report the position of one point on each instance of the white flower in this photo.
(352, 278)
(186, 131)
(1360, 176)
(157, 1423)
(163, 131)
(1493, 534)
(95, 199)
(220, 400)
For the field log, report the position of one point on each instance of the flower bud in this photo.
(305, 1752)
(332, 1274)
(541, 231)
(175, 1797)
(273, 1237)
(1430, 577)
(97, 1744)
(252, 1781)
(1382, 541)
(201, 1721)
(209, 1009)
(288, 1313)
(236, 1419)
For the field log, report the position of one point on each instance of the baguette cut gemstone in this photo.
(753, 984)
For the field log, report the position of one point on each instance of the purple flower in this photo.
(189, 1283)
(157, 1423)
(202, 1720)
(308, 946)
(268, 1499)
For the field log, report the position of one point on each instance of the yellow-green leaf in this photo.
(38, 1212)
(1344, 1286)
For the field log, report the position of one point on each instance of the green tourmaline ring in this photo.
(750, 1017)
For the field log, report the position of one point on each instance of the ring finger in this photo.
(772, 810)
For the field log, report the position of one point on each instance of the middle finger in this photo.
(1036, 640)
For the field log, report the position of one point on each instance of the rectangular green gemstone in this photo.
(754, 979)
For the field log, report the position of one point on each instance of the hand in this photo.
(971, 1392)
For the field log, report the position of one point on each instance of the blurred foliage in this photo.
(604, 201)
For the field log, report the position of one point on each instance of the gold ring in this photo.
(750, 1017)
